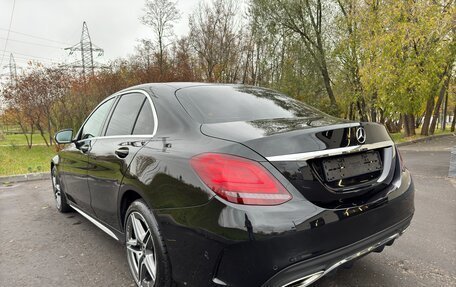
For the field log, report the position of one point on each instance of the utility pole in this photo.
(87, 49)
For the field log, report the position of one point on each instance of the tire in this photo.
(145, 247)
(59, 195)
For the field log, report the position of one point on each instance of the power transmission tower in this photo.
(12, 69)
(87, 49)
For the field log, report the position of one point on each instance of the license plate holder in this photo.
(342, 167)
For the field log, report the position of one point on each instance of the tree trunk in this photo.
(350, 111)
(40, 129)
(445, 108)
(406, 128)
(362, 110)
(436, 113)
(31, 136)
(418, 121)
(443, 90)
(160, 55)
(24, 131)
(435, 117)
(373, 114)
(49, 127)
(246, 67)
(453, 123)
(373, 108)
(427, 116)
(327, 82)
(382, 117)
(409, 125)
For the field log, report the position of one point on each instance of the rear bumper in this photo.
(223, 245)
(305, 273)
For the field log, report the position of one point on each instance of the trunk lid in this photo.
(332, 162)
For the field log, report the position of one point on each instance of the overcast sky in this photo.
(113, 26)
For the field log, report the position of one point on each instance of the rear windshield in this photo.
(218, 104)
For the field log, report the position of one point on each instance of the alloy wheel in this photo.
(141, 253)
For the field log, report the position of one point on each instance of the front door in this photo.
(75, 161)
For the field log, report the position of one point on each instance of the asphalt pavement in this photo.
(41, 247)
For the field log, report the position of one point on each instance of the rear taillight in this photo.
(239, 180)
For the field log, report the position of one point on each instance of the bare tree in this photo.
(160, 16)
(215, 36)
(183, 62)
(22, 107)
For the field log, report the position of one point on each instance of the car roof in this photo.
(176, 85)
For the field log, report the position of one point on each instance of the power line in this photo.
(21, 61)
(9, 30)
(31, 56)
(31, 43)
(37, 60)
(36, 37)
(26, 60)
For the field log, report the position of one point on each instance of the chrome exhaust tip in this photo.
(306, 281)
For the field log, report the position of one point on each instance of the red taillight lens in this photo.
(239, 180)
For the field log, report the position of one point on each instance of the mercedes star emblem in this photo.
(361, 135)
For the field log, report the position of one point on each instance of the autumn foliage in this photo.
(386, 61)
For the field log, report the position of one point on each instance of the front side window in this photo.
(93, 125)
(125, 114)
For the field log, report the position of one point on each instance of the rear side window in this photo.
(145, 122)
(125, 114)
(217, 104)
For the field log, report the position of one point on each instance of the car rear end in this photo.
(322, 192)
(346, 201)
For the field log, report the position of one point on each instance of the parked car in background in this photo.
(232, 185)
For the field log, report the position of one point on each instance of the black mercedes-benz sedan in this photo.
(232, 185)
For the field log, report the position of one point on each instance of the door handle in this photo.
(122, 152)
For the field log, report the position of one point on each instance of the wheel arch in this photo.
(127, 198)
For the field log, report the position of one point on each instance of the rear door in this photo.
(130, 126)
(74, 159)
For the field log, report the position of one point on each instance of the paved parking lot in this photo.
(40, 247)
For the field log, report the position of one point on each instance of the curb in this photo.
(424, 139)
(452, 169)
(25, 177)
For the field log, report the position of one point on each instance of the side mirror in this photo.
(64, 136)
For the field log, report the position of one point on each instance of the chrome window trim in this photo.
(119, 94)
(117, 137)
(96, 222)
(331, 152)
